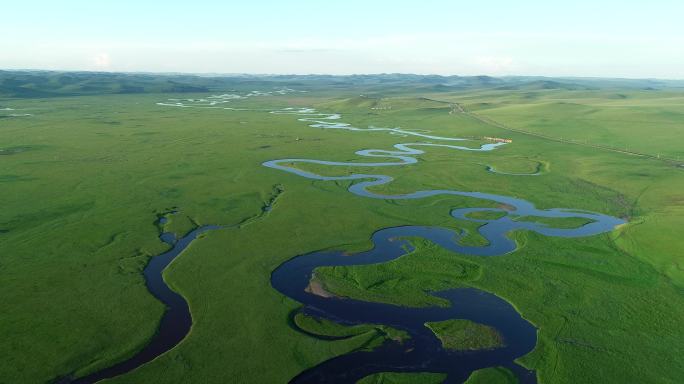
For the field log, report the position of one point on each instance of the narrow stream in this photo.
(176, 322)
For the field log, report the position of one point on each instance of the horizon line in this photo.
(256, 74)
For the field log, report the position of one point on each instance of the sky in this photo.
(599, 38)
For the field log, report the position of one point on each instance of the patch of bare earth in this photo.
(316, 288)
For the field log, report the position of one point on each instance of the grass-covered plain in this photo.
(486, 215)
(493, 375)
(82, 196)
(466, 335)
(404, 281)
(330, 329)
(403, 378)
(556, 222)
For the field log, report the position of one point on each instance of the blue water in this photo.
(176, 322)
(423, 352)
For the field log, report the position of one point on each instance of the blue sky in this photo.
(553, 38)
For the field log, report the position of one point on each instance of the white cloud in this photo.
(496, 65)
(102, 61)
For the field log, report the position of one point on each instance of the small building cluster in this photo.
(498, 139)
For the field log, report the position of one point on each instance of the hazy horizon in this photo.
(229, 74)
(531, 38)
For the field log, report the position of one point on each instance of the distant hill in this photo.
(546, 84)
(27, 84)
(37, 84)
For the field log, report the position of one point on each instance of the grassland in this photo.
(82, 197)
(495, 375)
(404, 281)
(466, 335)
(556, 222)
(403, 378)
(330, 329)
(486, 215)
(619, 119)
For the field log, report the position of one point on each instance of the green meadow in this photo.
(85, 177)
(464, 335)
(495, 375)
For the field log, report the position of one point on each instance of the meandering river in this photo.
(423, 352)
